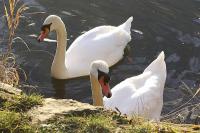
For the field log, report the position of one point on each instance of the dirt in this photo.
(52, 107)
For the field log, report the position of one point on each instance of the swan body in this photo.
(101, 43)
(141, 95)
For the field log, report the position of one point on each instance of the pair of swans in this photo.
(93, 53)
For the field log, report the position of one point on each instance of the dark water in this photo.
(171, 26)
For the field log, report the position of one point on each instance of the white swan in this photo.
(101, 43)
(139, 95)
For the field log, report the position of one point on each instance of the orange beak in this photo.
(43, 35)
(105, 88)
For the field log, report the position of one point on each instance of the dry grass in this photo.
(8, 70)
(13, 13)
(192, 104)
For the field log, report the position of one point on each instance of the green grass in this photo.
(13, 117)
(21, 103)
(107, 122)
(94, 123)
(12, 122)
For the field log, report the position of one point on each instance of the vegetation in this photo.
(13, 13)
(12, 107)
(109, 122)
(22, 103)
(8, 70)
(13, 117)
(12, 122)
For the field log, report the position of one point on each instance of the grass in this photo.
(8, 70)
(22, 103)
(12, 122)
(78, 124)
(94, 123)
(13, 13)
(109, 122)
(13, 117)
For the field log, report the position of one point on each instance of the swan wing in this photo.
(101, 43)
(142, 94)
(121, 97)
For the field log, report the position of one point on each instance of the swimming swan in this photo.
(105, 43)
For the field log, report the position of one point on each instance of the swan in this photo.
(101, 43)
(138, 95)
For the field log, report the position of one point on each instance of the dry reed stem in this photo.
(177, 110)
(8, 69)
(13, 14)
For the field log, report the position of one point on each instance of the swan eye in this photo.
(46, 26)
(106, 76)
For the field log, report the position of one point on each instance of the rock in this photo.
(10, 89)
(52, 107)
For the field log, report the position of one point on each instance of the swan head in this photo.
(51, 23)
(100, 70)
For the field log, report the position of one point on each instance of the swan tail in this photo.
(161, 56)
(158, 65)
(127, 25)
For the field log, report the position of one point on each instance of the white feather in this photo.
(142, 94)
(101, 43)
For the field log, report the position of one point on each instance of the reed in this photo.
(13, 12)
(8, 69)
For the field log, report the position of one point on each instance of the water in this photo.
(172, 26)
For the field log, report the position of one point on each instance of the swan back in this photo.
(142, 94)
(158, 67)
(105, 43)
(127, 25)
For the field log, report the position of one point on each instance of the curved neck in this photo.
(96, 91)
(61, 44)
(58, 67)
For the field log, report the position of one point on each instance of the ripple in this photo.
(188, 39)
(197, 20)
(173, 58)
(67, 13)
(137, 34)
(34, 3)
(194, 64)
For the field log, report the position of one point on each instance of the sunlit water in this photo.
(171, 26)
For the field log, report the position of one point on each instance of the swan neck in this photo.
(61, 46)
(96, 91)
(59, 68)
(61, 36)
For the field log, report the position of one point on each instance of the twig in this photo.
(22, 42)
